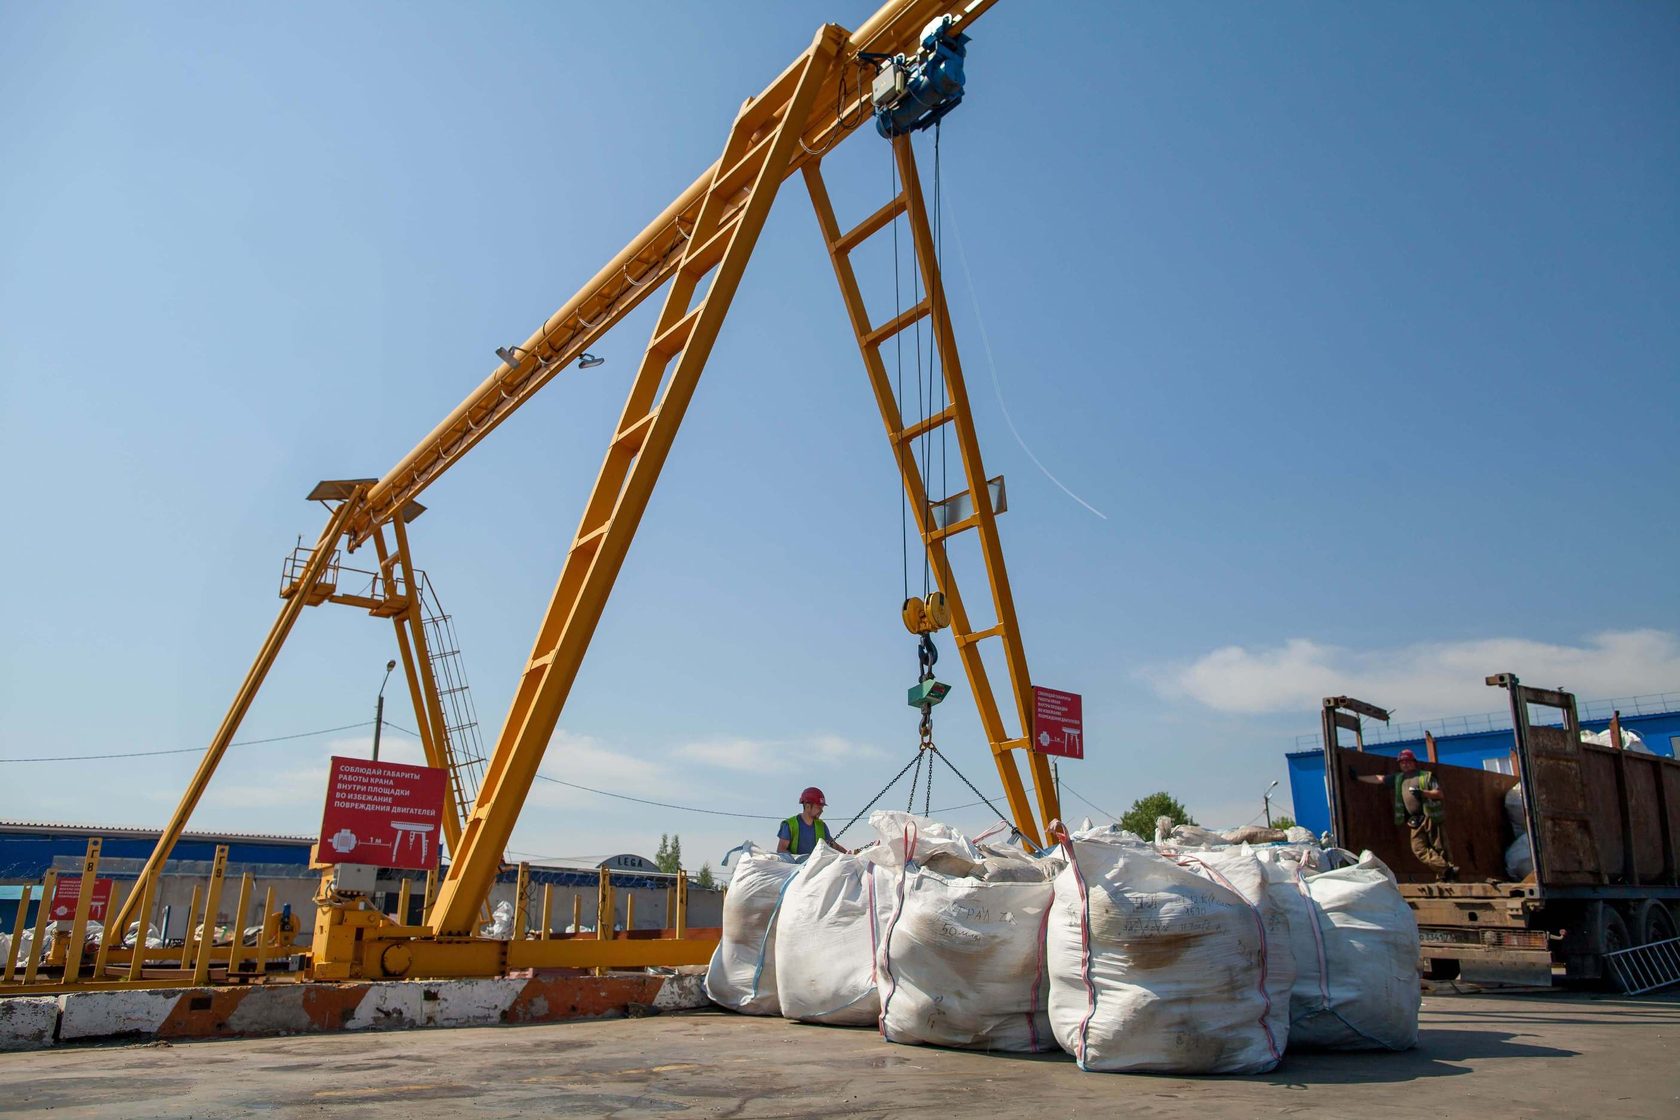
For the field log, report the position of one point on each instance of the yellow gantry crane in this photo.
(903, 70)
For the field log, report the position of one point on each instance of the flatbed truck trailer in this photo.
(1604, 831)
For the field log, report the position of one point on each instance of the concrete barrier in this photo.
(271, 1009)
(28, 1022)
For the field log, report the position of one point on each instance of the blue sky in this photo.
(1355, 320)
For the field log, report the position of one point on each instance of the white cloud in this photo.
(1424, 680)
(773, 755)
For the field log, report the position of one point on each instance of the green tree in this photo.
(1283, 822)
(669, 856)
(1140, 818)
(704, 880)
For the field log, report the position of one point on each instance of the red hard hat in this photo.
(1407, 756)
(813, 796)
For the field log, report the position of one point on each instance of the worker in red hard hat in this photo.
(1418, 806)
(801, 833)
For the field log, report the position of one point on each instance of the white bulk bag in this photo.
(1355, 944)
(1154, 967)
(827, 930)
(1240, 869)
(742, 975)
(961, 961)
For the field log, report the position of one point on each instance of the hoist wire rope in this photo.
(898, 368)
(938, 273)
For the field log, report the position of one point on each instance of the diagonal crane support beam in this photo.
(870, 340)
(293, 606)
(767, 131)
(649, 260)
(968, 443)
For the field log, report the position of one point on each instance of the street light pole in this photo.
(379, 709)
(1268, 800)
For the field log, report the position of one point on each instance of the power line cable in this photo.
(1089, 802)
(195, 750)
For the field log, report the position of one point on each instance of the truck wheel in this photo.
(1612, 936)
(1653, 922)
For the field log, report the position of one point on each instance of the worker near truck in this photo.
(1418, 806)
(801, 833)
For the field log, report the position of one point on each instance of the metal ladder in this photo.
(1645, 968)
(463, 745)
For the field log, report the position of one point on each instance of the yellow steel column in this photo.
(84, 902)
(48, 882)
(236, 948)
(17, 931)
(212, 900)
(634, 458)
(521, 901)
(289, 611)
(548, 911)
(262, 938)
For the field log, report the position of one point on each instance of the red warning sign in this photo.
(1058, 723)
(66, 892)
(388, 814)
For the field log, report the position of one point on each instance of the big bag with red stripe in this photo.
(1164, 963)
(961, 963)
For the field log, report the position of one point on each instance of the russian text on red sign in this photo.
(388, 814)
(68, 889)
(1058, 723)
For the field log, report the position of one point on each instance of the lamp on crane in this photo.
(513, 355)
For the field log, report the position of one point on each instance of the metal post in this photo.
(521, 902)
(262, 938)
(402, 900)
(629, 911)
(17, 931)
(189, 941)
(236, 950)
(1429, 747)
(577, 914)
(48, 882)
(682, 904)
(212, 900)
(84, 902)
(379, 708)
(147, 889)
(547, 910)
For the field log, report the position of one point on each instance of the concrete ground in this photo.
(1481, 1056)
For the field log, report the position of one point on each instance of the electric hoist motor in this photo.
(912, 92)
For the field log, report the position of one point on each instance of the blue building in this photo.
(1482, 742)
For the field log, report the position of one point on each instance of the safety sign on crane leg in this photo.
(1058, 723)
(387, 814)
(68, 890)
